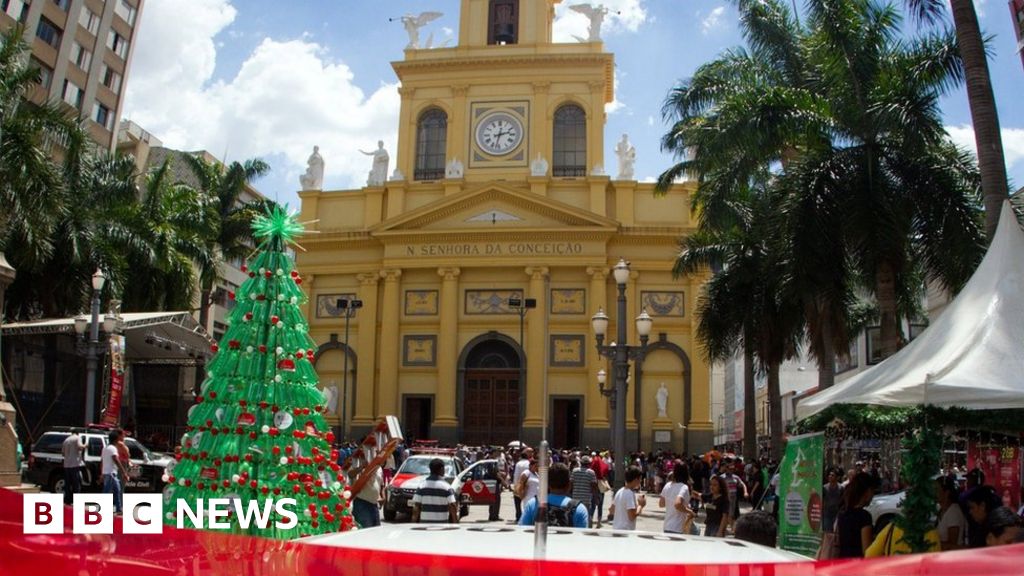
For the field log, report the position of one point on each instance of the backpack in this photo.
(562, 515)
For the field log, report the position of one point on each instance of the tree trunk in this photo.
(827, 361)
(204, 309)
(775, 413)
(885, 294)
(749, 405)
(984, 116)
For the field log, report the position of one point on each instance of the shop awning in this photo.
(150, 337)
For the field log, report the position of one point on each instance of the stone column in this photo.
(366, 353)
(387, 400)
(445, 422)
(406, 154)
(596, 421)
(595, 126)
(700, 431)
(536, 351)
(540, 123)
(10, 475)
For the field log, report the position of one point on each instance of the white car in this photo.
(884, 507)
(398, 494)
(471, 546)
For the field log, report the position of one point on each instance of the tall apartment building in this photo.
(82, 49)
(150, 153)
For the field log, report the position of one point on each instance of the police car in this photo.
(46, 462)
(398, 494)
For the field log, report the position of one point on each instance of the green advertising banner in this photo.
(800, 484)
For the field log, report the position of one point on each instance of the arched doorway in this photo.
(491, 390)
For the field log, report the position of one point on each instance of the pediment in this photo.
(493, 207)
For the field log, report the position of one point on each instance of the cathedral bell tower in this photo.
(507, 103)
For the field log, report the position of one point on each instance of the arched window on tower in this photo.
(431, 140)
(570, 142)
(503, 22)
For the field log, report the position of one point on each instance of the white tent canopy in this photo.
(972, 356)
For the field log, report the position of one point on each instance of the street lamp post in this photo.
(349, 308)
(620, 355)
(98, 279)
(521, 305)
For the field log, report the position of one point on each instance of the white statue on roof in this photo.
(596, 15)
(379, 172)
(627, 157)
(313, 179)
(414, 23)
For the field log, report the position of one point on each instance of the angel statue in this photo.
(596, 15)
(414, 23)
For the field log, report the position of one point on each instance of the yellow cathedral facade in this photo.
(499, 200)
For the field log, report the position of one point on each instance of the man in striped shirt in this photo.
(435, 500)
(584, 486)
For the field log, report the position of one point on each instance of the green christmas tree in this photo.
(257, 431)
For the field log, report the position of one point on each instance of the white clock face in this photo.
(499, 134)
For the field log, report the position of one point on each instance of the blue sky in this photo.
(271, 79)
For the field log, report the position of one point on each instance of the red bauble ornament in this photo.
(264, 490)
(188, 483)
(200, 485)
(248, 315)
(263, 348)
(287, 449)
(277, 491)
(314, 524)
(231, 295)
(296, 488)
(274, 319)
(248, 457)
(330, 438)
(234, 344)
(274, 432)
(252, 435)
(213, 394)
(242, 403)
(268, 274)
(295, 274)
(244, 268)
(214, 348)
(261, 297)
(298, 280)
(252, 274)
(276, 450)
(199, 399)
(300, 354)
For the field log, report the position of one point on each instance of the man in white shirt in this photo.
(522, 465)
(435, 500)
(73, 448)
(110, 468)
(627, 506)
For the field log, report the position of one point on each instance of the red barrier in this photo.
(191, 552)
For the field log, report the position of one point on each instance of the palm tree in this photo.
(169, 217)
(984, 116)
(30, 182)
(228, 233)
(847, 115)
(751, 268)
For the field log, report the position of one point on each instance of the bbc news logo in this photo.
(144, 513)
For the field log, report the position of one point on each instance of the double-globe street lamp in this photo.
(93, 324)
(348, 308)
(620, 355)
(521, 305)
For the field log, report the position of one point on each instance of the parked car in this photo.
(46, 462)
(398, 494)
(478, 486)
(884, 507)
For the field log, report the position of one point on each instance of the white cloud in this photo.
(1013, 142)
(712, 21)
(287, 96)
(623, 16)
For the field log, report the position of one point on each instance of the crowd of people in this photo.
(972, 517)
